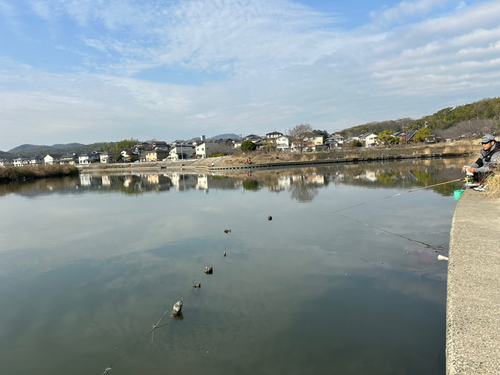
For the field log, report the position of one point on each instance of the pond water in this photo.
(337, 282)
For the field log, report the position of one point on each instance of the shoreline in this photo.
(225, 163)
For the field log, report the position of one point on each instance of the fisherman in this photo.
(490, 157)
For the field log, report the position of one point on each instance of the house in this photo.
(410, 136)
(52, 159)
(6, 163)
(252, 137)
(282, 143)
(156, 155)
(71, 159)
(88, 158)
(273, 136)
(369, 139)
(129, 155)
(202, 150)
(35, 160)
(160, 145)
(107, 157)
(21, 162)
(180, 151)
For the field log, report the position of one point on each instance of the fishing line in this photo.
(108, 369)
(386, 231)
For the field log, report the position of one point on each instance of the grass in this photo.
(34, 172)
(493, 183)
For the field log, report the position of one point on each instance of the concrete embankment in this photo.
(473, 297)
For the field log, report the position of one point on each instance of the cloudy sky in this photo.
(104, 70)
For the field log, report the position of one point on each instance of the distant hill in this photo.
(220, 136)
(42, 150)
(442, 119)
(5, 155)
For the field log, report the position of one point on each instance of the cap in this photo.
(487, 138)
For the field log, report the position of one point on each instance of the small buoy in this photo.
(209, 270)
(442, 257)
(224, 253)
(197, 285)
(269, 217)
(177, 308)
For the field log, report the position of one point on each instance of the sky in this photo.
(105, 70)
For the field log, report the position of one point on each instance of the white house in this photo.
(273, 136)
(107, 157)
(369, 140)
(87, 158)
(35, 160)
(181, 151)
(52, 159)
(202, 149)
(283, 143)
(20, 162)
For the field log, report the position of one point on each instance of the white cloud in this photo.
(406, 9)
(280, 64)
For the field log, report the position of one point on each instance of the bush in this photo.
(248, 146)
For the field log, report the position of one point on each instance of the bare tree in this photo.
(469, 129)
(300, 135)
(221, 148)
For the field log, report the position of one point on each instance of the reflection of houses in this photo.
(202, 182)
(85, 179)
(52, 159)
(106, 181)
(317, 179)
(368, 176)
(284, 181)
(184, 181)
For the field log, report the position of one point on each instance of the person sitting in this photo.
(489, 158)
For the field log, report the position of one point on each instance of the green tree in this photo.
(421, 135)
(248, 146)
(356, 143)
(387, 138)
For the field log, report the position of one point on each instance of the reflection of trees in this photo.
(302, 191)
(251, 185)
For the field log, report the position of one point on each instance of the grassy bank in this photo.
(493, 183)
(33, 172)
(262, 157)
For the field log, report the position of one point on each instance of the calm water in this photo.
(88, 264)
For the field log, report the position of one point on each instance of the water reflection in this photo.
(308, 292)
(303, 185)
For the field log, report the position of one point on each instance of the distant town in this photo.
(306, 140)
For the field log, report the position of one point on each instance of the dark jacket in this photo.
(492, 156)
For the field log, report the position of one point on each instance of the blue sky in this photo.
(104, 70)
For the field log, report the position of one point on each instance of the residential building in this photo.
(71, 159)
(88, 158)
(21, 162)
(160, 145)
(181, 151)
(369, 140)
(202, 150)
(156, 155)
(273, 136)
(283, 143)
(6, 163)
(52, 159)
(35, 160)
(107, 157)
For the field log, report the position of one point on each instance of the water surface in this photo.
(88, 264)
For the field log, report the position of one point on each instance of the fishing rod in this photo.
(442, 183)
